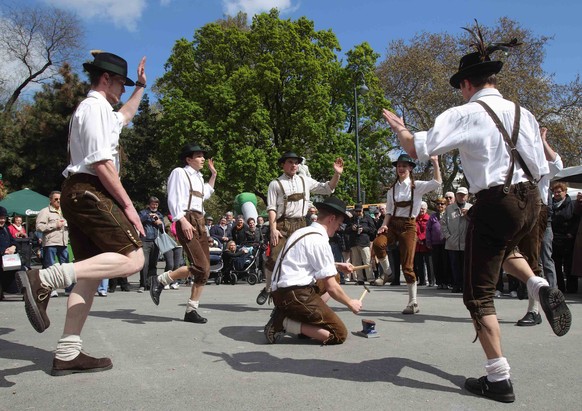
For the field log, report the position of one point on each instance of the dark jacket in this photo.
(217, 232)
(151, 229)
(368, 226)
(564, 222)
(6, 240)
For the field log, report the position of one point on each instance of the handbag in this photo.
(11, 262)
(164, 242)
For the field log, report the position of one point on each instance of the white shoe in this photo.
(174, 286)
(513, 294)
(497, 294)
(141, 289)
(411, 308)
(54, 294)
(166, 287)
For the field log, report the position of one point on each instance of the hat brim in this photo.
(188, 153)
(283, 159)
(92, 67)
(395, 163)
(487, 67)
(332, 208)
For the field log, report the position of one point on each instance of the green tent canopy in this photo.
(24, 202)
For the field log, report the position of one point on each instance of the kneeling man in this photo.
(304, 279)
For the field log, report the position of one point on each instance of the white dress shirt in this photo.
(484, 154)
(404, 193)
(179, 191)
(310, 259)
(94, 135)
(293, 185)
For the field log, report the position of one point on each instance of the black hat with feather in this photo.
(479, 62)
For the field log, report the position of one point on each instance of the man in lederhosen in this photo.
(187, 192)
(502, 171)
(104, 226)
(287, 204)
(305, 279)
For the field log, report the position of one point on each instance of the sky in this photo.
(134, 28)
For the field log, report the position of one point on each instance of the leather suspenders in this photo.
(511, 142)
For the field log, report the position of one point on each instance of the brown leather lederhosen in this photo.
(197, 249)
(304, 304)
(502, 218)
(285, 225)
(403, 230)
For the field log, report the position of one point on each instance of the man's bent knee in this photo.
(379, 246)
(337, 335)
(135, 263)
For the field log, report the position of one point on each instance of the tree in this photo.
(141, 166)
(34, 39)
(415, 75)
(36, 137)
(251, 92)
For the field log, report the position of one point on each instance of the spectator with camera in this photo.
(152, 221)
(361, 229)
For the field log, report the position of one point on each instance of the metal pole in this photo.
(358, 186)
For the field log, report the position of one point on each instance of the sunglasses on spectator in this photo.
(441, 204)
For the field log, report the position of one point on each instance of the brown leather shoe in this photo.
(82, 363)
(36, 298)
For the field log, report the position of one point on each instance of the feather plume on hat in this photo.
(484, 50)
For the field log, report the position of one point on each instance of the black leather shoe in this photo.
(263, 296)
(557, 312)
(156, 289)
(273, 330)
(529, 319)
(501, 391)
(194, 317)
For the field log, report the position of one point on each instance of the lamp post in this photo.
(363, 90)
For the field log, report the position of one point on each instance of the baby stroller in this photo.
(216, 264)
(246, 267)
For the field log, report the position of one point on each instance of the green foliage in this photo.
(141, 165)
(35, 137)
(415, 76)
(248, 93)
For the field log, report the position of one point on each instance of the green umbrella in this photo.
(24, 202)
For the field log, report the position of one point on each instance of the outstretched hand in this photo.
(338, 165)
(210, 162)
(141, 76)
(395, 122)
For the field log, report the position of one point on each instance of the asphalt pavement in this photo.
(418, 362)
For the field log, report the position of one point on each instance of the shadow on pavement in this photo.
(129, 315)
(41, 359)
(377, 370)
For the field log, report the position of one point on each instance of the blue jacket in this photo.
(151, 229)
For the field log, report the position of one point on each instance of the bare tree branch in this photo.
(37, 38)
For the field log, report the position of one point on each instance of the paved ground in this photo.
(161, 363)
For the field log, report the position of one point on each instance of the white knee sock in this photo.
(68, 347)
(291, 326)
(58, 275)
(385, 267)
(192, 305)
(532, 305)
(497, 369)
(533, 286)
(165, 278)
(268, 277)
(411, 293)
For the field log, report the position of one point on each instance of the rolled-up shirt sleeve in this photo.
(420, 146)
